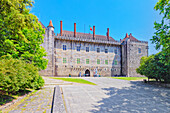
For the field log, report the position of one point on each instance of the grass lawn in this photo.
(130, 78)
(77, 80)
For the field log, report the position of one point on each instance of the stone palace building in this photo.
(90, 54)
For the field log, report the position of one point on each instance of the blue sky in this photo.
(120, 16)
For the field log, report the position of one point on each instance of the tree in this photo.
(153, 67)
(20, 32)
(162, 34)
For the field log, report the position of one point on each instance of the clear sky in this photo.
(121, 16)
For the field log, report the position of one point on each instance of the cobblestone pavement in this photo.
(116, 96)
(41, 101)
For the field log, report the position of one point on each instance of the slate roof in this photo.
(87, 36)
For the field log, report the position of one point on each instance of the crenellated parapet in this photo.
(87, 40)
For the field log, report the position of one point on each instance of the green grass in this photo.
(77, 80)
(130, 78)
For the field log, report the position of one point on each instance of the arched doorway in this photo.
(87, 73)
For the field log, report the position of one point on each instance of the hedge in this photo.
(16, 75)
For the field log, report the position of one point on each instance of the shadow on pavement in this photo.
(137, 98)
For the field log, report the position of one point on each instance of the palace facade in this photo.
(74, 53)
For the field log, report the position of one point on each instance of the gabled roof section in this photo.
(86, 36)
(130, 37)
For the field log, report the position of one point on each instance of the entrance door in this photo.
(87, 73)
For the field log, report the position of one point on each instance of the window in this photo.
(115, 62)
(78, 48)
(87, 49)
(87, 61)
(98, 50)
(106, 61)
(139, 50)
(98, 61)
(115, 51)
(78, 60)
(106, 50)
(64, 47)
(64, 60)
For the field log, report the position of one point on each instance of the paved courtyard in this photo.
(114, 96)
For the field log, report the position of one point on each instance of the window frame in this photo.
(78, 47)
(115, 51)
(87, 60)
(98, 61)
(139, 50)
(106, 62)
(64, 60)
(115, 62)
(98, 50)
(78, 60)
(105, 51)
(87, 49)
(65, 48)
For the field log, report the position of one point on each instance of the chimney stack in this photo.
(93, 32)
(74, 29)
(108, 34)
(61, 28)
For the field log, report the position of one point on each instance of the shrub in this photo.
(17, 75)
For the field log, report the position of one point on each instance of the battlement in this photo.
(89, 40)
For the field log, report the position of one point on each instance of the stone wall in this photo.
(71, 55)
(131, 57)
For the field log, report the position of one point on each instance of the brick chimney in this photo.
(108, 34)
(93, 32)
(74, 29)
(61, 28)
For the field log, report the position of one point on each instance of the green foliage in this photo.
(153, 67)
(20, 32)
(162, 34)
(17, 75)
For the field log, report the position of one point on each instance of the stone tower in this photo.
(132, 51)
(49, 47)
